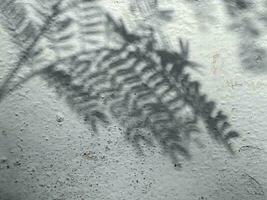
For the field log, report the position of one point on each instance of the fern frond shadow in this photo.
(143, 87)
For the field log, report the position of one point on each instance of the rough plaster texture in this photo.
(47, 152)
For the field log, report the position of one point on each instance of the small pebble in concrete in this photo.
(3, 159)
(59, 117)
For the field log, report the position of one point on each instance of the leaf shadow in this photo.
(143, 87)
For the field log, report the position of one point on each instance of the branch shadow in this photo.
(247, 20)
(145, 88)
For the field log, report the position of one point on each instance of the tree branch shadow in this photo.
(143, 87)
(247, 20)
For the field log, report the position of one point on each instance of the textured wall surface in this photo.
(47, 151)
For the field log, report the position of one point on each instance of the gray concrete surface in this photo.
(48, 152)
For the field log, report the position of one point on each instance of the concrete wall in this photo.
(48, 152)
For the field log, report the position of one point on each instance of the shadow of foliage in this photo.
(247, 19)
(248, 22)
(26, 35)
(143, 87)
